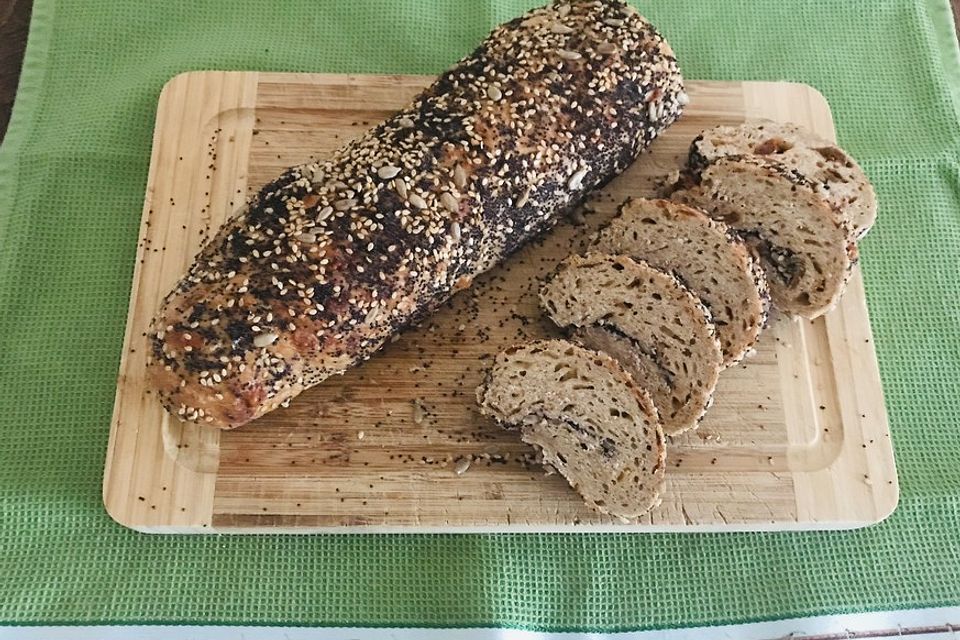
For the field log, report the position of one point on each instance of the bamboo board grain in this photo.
(797, 439)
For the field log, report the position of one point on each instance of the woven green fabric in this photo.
(72, 174)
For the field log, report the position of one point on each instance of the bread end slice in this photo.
(830, 169)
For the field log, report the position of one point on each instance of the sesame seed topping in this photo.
(494, 93)
(406, 122)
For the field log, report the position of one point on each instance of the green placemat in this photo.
(72, 174)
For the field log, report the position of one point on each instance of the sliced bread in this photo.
(589, 420)
(804, 249)
(646, 319)
(835, 175)
(709, 259)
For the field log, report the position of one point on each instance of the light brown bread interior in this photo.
(659, 331)
(712, 262)
(590, 421)
(832, 171)
(804, 250)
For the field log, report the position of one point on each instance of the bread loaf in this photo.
(709, 259)
(649, 322)
(332, 258)
(804, 248)
(589, 420)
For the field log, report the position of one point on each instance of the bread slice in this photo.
(646, 319)
(590, 421)
(835, 175)
(805, 251)
(708, 258)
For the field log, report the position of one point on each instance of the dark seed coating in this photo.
(332, 258)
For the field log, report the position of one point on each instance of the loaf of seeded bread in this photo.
(589, 420)
(705, 255)
(649, 322)
(331, 259)
(830, 170)
(805, 250)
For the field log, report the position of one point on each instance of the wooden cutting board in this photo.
(797, 439)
